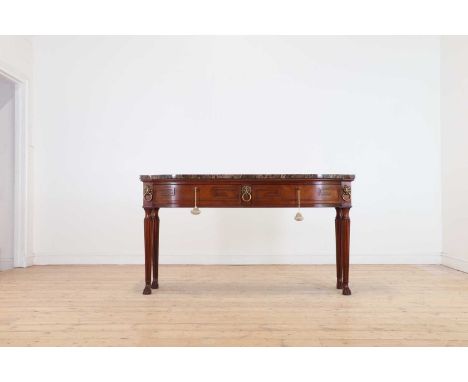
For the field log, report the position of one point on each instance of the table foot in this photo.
(346, 290)
(147, 290)
(339, 284)
(154, 285)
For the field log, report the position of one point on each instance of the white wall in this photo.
(112, 108)
(7, 166)
(454, 127)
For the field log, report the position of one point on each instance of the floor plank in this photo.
(254, 305)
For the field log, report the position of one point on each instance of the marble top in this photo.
(247, 176)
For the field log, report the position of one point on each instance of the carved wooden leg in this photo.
(155, 217)
(148, 249)
(345, 233)
(339, 268)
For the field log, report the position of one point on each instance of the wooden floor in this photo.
(272, 305)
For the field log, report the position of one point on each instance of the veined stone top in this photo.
(247, 176)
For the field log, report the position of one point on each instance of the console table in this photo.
(246, 191)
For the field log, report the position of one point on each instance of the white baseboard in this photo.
(455, 263)
(6, 264)
(29, 260)
(47, 258)
(9, 263)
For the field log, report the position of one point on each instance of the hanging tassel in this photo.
(195, 210)
(299, 216)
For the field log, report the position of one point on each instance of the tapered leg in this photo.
(345, 233)
(148, 249)
(339, 268)
(155, 217)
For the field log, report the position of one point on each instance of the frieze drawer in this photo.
(242, 195)
(289, 195)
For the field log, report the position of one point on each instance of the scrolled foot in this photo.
(346, 290)
(154, 285)
(339, 284)
(147, 290)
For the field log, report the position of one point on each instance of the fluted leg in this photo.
(148, 224)
(339, 268)
(345, 236)
(155, 218)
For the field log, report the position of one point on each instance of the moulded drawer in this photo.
(244, 195)
(287, 195)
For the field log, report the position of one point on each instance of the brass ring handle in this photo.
(148, 193)
(244, 198)
(346, 195)
(246, 194)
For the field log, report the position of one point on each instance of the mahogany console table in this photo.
(246, 191)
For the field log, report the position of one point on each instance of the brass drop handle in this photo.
(246, 194)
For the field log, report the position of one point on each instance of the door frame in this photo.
(21, 246)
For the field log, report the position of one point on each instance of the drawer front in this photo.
(207, 195)
(222, 195)
(287, 195)
(155, 195)
(241, 195)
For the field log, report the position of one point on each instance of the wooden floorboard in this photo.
(254, 305)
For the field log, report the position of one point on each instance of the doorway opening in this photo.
(7, 172)
(13, 171)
